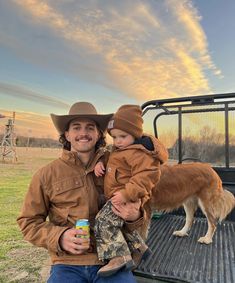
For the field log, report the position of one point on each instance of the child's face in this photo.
(121, 139)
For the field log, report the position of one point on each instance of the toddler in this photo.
(132, 171)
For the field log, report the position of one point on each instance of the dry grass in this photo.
(20, 261)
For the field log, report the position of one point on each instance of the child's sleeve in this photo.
(104, 158)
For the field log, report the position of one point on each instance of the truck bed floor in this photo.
(177, 259)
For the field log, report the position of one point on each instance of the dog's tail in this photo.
(224, 205)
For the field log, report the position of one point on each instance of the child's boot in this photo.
(116, 264)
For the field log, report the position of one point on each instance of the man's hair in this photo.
(67, 145)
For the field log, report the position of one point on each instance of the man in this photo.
(66, 190)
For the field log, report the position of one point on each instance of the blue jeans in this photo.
(61, 273)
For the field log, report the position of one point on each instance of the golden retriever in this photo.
(193, 185)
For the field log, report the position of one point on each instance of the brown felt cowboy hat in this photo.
(80, 110)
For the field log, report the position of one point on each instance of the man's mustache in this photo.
(83, 137)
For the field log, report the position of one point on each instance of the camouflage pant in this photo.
(111, 238)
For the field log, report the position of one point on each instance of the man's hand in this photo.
(129, 211)
(72, 243)
(118, 199)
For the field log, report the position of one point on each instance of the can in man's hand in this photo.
(83, 224)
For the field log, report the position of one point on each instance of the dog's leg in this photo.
(211, 221)
(190, 207)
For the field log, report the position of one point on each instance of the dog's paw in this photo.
(205, 240)
(180, 233)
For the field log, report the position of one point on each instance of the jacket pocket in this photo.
(117, 178)
(67, 192)
(112, 174)
(64, 196)
(67, 184)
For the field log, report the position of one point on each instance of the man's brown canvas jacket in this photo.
(59, 194)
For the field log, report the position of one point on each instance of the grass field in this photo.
(19, 260)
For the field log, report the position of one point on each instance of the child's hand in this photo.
(99, 169)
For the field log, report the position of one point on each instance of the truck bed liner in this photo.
(177, 259)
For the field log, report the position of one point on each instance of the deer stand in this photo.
(8, 146)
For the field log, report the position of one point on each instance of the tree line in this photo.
(22, 141)
(209, 146)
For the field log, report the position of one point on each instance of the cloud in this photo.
(188, 16)
(30, 95)
(70, 30)
(146, 50)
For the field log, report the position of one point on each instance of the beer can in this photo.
(83, 224)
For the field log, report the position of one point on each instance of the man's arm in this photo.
(32, 219)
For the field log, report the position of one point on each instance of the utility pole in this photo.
(8, 145)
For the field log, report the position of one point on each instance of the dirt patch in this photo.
(27, 265)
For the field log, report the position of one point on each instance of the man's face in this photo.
(83, 135)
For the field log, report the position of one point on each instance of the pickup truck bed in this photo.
(177, 259)
(186, 260)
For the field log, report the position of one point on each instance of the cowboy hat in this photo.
(80, 110)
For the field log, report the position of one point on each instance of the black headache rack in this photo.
(202, 129)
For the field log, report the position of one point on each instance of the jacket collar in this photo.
(71, 158)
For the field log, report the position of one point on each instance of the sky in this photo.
(57, 52)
